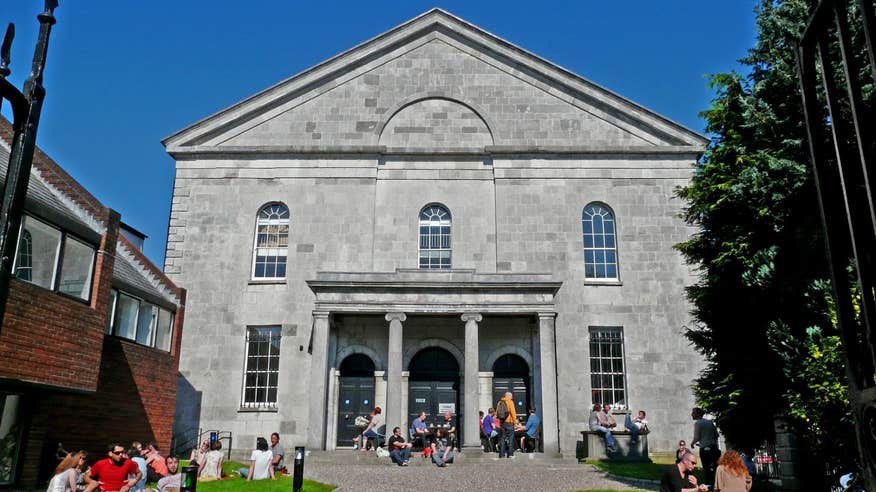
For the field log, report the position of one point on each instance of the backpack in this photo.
(502, 410)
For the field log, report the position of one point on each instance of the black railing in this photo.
(183, 443)
(839, 122)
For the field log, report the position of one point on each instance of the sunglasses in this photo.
(117, 453)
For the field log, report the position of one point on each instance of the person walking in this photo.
(732, 474)
(507, 416)
(706, 437)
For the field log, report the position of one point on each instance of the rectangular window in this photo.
(260, 375)
(76, 269)
(140, 321)
(39, 259)
(607, 370)
(114, 295)
(164, 330)
(11, 420)
(43, 242)
(125, 323)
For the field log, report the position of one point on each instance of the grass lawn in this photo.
(645, 471)
(282, 483)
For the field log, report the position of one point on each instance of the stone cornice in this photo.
(379, 151)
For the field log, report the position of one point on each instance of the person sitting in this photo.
(595, 423)
(530, 430)
(173, 480)
(682, 448)
(680, 478)
(449, 424)
(259, 462)
(636, 426)
(278, 454)
(64, 478)
(421, 431)
(442, 453)
(399, 450)
(210, 467)
(197, 456)
(156, 466)
(732, 475)
(134, 456)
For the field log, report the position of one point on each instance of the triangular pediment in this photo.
(435, 82)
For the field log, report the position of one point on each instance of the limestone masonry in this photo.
(424, 222)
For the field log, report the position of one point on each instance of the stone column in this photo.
(319, 340)
(548, 362)
(471, 437)
(394, 417)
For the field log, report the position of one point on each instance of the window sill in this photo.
(275, 281)
(593, 281)
(257, 410)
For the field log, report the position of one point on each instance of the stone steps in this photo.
(475, 456)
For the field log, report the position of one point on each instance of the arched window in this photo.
(434, 237)
(24, 266)
(271, 242)
(600, 247)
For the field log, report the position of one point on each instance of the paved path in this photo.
(504, 475)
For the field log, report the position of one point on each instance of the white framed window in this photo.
(600, 242)
(271, 242)
(140, 321)
(262, 367)
(435, 248)
(53, 259)
(607, 368)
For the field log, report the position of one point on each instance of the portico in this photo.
(472, 318)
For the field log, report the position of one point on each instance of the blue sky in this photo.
(122, 75)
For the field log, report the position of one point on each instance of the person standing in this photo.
(507, 416)
(732, 475)
(279, 453)
(399, 450)
(111, 473)
(371, 430)
(706, 436)
(680, 478)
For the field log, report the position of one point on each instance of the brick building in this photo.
(89, 347)
(424, 222)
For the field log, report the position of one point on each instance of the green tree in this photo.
(762, 314)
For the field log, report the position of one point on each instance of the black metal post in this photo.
(26, 108)
(189, 479)
(298, 470)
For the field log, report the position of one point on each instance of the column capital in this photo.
(396, 316)
(321, 314)
(547, 316)
(476, 317)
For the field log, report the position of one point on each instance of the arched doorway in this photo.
(433, 385)
(355, 395)
(511, 373)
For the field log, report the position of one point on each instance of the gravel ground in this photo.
(501, 475)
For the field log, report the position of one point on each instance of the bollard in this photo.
(189, 479)
(298, 471)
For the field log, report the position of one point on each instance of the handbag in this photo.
(361, 421)
(382, 453)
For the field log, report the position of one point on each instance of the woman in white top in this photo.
(371, 430)
(259, 463)
(64, 479)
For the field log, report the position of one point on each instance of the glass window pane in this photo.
(112, 309)
(272, 395)
(163, 330)
(146, 323)
(76, 268)
(609, 226)
(45, 242)
(611, 271)
(589, 271)
(609, 241)
(600, 270)
(599, 241)
(125, 322)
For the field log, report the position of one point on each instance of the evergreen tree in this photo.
(764, 319)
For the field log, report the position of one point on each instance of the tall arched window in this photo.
(434, 237)
(600, 247)
(271, 242)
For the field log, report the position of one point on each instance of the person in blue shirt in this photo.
(530, 431)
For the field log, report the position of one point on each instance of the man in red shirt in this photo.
(111, 474)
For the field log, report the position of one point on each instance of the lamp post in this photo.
(26, 107)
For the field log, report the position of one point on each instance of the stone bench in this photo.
(592, 447)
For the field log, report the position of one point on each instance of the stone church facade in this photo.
(423, 222)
